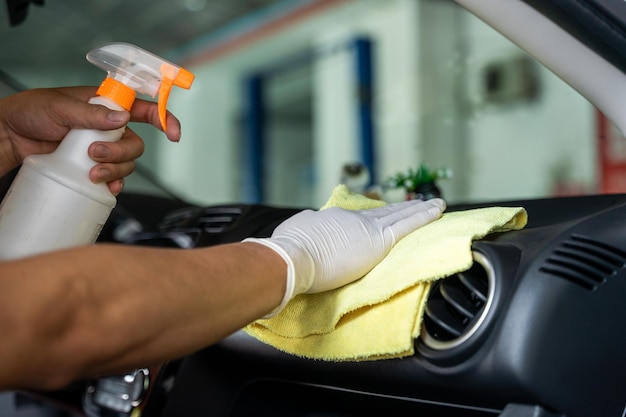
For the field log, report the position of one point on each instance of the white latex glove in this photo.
(330, 248)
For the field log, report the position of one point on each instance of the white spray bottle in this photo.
(51, 203)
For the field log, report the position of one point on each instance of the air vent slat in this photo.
(618, 253)
(599, 254)
(453, 292)
(585, 258)
(220, 211)
(214, 229)
(575, 267)
(437, 310)
(567, 274)
(217, 219)
(475, 281)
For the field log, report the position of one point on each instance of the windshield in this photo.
(290, 100)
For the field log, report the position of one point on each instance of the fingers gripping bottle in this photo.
(52, 204)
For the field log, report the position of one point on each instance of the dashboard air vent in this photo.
(218, 219)
(458, 304)
(584, 261)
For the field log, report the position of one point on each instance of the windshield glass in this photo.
(290, 100)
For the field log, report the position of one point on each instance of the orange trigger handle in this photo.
(172, 75)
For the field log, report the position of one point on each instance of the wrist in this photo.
(300, 269)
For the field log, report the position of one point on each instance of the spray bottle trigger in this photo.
(164, 93)
(179, 77)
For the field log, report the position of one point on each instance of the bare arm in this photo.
(107, 308)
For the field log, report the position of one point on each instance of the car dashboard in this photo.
(532, 329)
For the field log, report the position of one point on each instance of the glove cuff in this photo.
(291, 288)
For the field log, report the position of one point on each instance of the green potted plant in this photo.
(420, 183)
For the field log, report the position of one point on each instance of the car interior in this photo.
(530, 330)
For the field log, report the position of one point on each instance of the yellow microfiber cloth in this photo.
(380, 315)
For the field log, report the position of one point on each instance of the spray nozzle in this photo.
(132, 69)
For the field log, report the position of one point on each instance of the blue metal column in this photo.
(253, 140)
(363, 48)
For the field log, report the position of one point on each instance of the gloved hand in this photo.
(327, 249)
